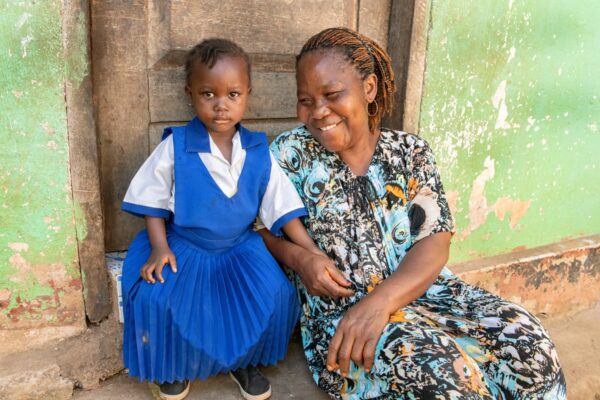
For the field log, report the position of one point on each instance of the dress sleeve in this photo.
(281, 202)
(428, 208)
(151, 189)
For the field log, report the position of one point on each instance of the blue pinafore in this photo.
(229, 305)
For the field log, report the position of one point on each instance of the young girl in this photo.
(224, 305)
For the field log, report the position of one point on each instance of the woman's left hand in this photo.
(357, 335)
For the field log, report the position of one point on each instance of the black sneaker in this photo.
(253, 385)
(174, 391)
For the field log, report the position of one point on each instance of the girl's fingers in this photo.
(158, 272)
(172, 262)
(147, 273)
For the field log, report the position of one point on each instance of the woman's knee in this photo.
(427, 363)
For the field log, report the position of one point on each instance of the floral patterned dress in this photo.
(456, 341)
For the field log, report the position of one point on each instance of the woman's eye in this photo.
(304, 102)
(332, 95)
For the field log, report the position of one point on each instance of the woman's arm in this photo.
(318, 273)
(359, 330)
(161, 253)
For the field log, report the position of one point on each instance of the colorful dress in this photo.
(456, 341)
(229, 304)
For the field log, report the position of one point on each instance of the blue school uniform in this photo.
(229, 305)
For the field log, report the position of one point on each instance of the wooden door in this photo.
(138, 49)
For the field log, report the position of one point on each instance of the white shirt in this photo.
(153, 185)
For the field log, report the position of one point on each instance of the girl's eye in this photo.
(208, 95)
(234, 94)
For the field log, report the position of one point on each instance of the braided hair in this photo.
(367, 57)
(209, 51)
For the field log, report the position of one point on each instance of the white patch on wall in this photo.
(24, 42)
(22, 20)
(499, 103)
(511, 54)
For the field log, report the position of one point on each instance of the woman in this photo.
(390, 322)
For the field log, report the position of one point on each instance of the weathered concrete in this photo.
(549, 280)
(53, 370)
(289, 380)
(576, 338)
(40, 382)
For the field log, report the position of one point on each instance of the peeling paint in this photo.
(515, 82)
(39, 274)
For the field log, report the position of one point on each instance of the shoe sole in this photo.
(179, 396)
(249, 396)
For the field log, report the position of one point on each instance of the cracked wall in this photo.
(40, 280)
(511, 108)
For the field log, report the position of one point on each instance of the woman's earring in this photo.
(376, 109)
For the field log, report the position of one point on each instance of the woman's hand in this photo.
(156, 262)
(357, 335)
(321, 277)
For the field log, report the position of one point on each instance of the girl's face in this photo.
(333, 99)
(219, 94)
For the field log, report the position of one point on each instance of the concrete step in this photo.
(577, 338)
(290, 379)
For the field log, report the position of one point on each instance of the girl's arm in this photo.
(318, 273)
(296, 231)
(360, 329)
(161, 253)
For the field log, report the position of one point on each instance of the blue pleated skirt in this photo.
(221, 311)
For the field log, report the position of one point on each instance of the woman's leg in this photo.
(509, 344)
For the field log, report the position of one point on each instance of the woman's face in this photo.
(333, 99)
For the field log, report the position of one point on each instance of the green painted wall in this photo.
(40, 283)
(511, 106)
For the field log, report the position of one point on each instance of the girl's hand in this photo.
(357, 335)
(321, 277)
(156, 262)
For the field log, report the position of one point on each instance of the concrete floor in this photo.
(290, 379)
(577, 338)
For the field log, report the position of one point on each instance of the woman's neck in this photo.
(358, 157)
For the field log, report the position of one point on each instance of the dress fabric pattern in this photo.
(457, 341)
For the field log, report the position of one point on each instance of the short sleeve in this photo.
(428, 207)
(287, 150)
(280, 203)
(151, 189)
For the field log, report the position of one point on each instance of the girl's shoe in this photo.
(174, 391)
(253, 385)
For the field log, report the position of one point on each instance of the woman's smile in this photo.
(329, 127)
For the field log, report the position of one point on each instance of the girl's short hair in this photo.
(209, 51)
(367, 57)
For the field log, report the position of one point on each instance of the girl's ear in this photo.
(188, 90)
(249, 89)
(370, 87)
